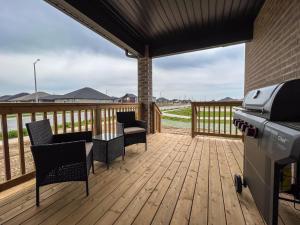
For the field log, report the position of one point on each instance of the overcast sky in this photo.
(73, 57)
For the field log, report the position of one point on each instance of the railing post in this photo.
(5, 147)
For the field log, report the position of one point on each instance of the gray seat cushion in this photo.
(133, 130)
(88, 147)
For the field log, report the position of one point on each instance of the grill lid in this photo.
(279, 102)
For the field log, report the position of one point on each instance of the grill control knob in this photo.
(235, 121)
(241, 124)
(252, 132)
(244, 127)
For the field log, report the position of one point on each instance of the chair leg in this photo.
(87, 187)
(37, 195)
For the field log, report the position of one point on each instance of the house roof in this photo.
(162, 99)
(29, 97)
(50, 97)
(167, 27)
(6, 98)
(86, 93)
(128, 95)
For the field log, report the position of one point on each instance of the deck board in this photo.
(179, 180)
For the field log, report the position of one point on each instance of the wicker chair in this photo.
(134, 130)
(59, 158)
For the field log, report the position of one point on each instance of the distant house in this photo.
(30, 97)
(49, 98)
(129, 98)
(162, 100)
(115, 99)
(228, 99)
(7, 98)
(84, 95)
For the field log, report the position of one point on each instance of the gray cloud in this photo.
(73, 57)
(35, 26)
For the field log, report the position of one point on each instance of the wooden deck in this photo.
(179, 180)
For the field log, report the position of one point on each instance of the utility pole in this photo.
(35, 85)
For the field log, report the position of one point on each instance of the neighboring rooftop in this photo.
(162, 99)
(86, 93)
(29, 97)
(6, 98)
(228, 99)
(128, 95)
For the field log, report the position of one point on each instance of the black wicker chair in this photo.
(59, 158)
(134, 130)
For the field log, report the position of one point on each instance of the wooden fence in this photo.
(64, 117)
(214, 118)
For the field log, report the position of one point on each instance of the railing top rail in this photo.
(229, 103)
(157, 108)
(11, 108)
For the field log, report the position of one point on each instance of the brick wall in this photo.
(145, 88)
(273, 55)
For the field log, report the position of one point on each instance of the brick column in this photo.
(145, 87)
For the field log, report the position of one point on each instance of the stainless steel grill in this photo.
(270, 121)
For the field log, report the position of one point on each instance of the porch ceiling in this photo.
(167, 27)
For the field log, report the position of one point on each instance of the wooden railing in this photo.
(214, 118)
(16, 164)
(156, 118)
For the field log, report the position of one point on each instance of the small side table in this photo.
(107, 147)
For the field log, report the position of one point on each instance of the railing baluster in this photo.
(21, 143)
(105, 120)
(199, 118)
(214, 119)
(5, 146)
(219, 119)
(55, 122)
(225, 117)
(113, 121)
(32, 117)
(230, 120)
(72, 121)
(79, 120)
(204, 119)
(92, 120)
(86, 122)
(109, 120)
(44, 115)
(64, 124)
(208, 119)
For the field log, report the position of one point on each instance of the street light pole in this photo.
(35, 85)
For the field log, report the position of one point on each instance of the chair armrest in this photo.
(76, 136)
(50, 156)
(141, 123)
(120, 128)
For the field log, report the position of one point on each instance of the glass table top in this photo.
(106, 136)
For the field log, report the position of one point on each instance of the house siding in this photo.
(273, 56)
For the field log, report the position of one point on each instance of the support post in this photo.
(145, 87)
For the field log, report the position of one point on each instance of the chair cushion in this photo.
(88, 147)
(133, 130)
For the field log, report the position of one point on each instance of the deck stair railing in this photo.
(214, 118)
(156, 118)
(16, 164)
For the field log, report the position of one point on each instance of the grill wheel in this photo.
(238, 183)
